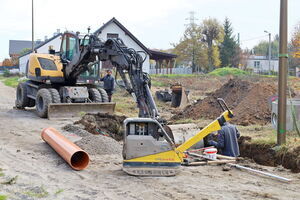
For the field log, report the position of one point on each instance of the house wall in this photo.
(263, 65)
(113, 28)
(43, 49)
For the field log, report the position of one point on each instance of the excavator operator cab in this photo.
(69, 46)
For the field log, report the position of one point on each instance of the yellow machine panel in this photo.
(44, 65)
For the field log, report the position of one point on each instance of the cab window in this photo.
(47, 64)
(69, 47)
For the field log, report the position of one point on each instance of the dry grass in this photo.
(125, 104)
(268, 135)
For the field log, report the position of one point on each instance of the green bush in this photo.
(6, 73)
(228, 71)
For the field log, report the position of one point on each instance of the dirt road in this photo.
(42, 174)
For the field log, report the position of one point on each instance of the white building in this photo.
(260, 64)
(112, 29)
(42, 48)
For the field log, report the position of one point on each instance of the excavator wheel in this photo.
(94, 95)
(43, 99)
(22, 99)
(55, 95)
(103, 95)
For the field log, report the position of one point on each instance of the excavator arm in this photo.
(128, 62)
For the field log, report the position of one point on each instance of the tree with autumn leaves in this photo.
(207, 46)
(294, 48)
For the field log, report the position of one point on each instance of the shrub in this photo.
(6, 73)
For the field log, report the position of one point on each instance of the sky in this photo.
(156, 23)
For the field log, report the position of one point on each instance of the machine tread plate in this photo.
(151, 169)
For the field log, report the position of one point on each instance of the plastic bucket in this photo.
(211, 153)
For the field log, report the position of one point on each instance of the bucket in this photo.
(211, 153)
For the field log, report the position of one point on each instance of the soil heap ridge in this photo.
(247, 100)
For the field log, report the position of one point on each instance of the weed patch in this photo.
(37, 192)
(3, 197)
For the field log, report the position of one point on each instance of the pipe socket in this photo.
(71, 153)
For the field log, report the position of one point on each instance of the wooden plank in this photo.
(216, 162)
(225, 157)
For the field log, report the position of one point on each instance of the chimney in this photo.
(58, 31)
(45, 38)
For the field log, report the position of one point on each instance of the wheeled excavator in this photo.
(149, 147)
(54, 86)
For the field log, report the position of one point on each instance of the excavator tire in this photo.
(22, 100)
(55, 95)
(103, 95)
(94, 95)
(43, 99)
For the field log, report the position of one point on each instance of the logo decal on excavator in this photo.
(165, 159)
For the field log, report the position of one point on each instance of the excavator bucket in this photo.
(179, 96)
(184, 98)
(73, 110)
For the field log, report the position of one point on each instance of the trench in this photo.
(266, 154)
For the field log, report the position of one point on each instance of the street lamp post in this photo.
(32, 30)
(269, 51)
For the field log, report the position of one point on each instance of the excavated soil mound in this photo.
(100, 145)
(94, 144)
(103, 124)
(248, 100)
(265, 154)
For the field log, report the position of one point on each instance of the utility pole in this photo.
(282, 80)
(269, 51)
(192, 24)
(32, 26)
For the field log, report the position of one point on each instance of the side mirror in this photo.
(38, 71)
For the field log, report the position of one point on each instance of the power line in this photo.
(255, 38)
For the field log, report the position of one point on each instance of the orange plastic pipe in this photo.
(71, 153)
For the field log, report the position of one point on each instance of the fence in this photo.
(12, 69)
(181, 70)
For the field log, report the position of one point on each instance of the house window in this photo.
(257, 64)
(112, 35)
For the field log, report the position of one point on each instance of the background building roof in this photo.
(16, 46)
(114, 20)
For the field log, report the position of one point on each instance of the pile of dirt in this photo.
(76, 129)
(248, 100)
(103, 124)
(100, 145)
(265, 154)
(94, 144)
